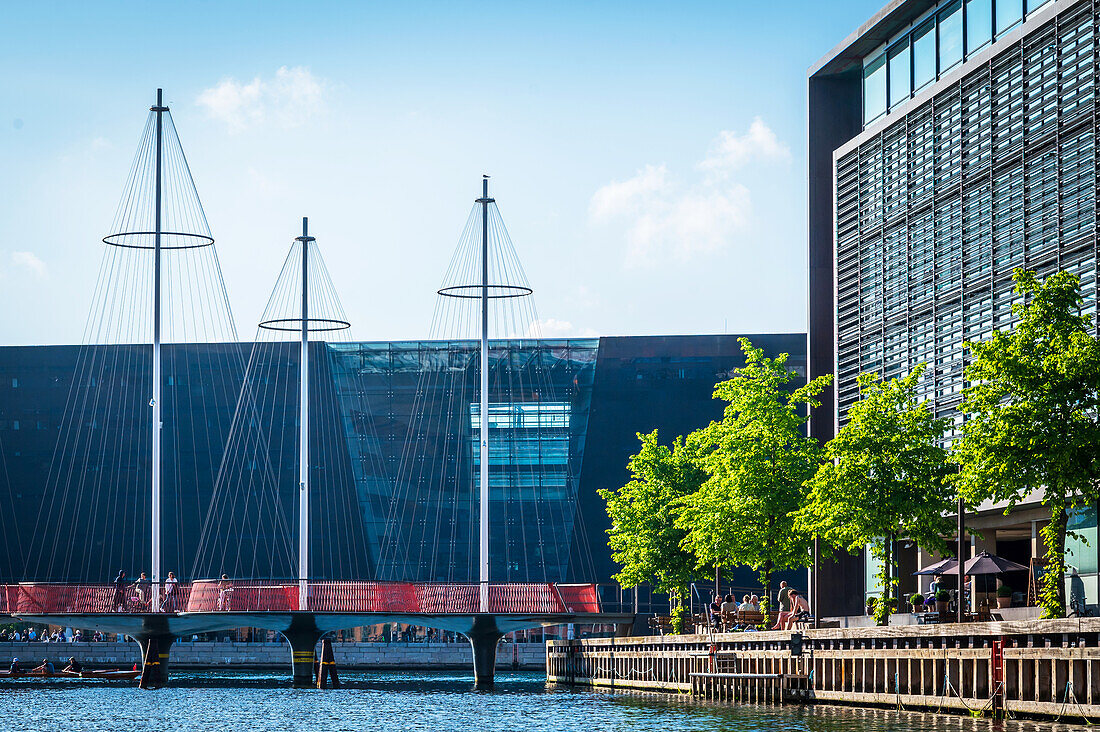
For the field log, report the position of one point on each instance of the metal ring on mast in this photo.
(496, 292)
(119, 240)
(325, 324)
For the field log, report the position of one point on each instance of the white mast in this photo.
(303, 421)
(154, 402)
(483, 407)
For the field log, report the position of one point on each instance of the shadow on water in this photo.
(444, 701)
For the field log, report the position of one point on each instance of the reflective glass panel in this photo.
(951, 31)
(1035, 4)
(979, 24)
(924, 54)
(1009, 13)
(1081, 550)
(874, 89)
(900, 81)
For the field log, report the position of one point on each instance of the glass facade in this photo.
(423, 402)
(950, 30)
(874, 90)
(933, 212)
(979, 24)
(935, 46)
(394, 459)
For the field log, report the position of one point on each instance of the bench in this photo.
(661, 623)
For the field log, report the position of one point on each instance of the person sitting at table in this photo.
(715, 609)
(729, 605)
(746, 603)
(755, 602)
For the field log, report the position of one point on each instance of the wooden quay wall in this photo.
(1044, 668)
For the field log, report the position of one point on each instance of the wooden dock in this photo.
(1043, 668)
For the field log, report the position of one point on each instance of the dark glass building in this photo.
(394, 461)
(950, 143)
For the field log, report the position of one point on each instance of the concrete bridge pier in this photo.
(484, 637)
(154, 659)
(303, 647)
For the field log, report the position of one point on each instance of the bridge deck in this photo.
(265, 596)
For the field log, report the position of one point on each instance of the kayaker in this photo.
(14, 668)
(45, 668)
(73, 666)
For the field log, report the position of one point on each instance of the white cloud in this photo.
(663, 214)
(286, 99)
(730, 150)
(554, 328)
(29, 262)
(623, 197)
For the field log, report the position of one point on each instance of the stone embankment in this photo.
(276, 656)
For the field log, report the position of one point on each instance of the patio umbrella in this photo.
(986, 563)
(941, 567)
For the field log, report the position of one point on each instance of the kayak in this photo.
(86, 674)
(105, 674)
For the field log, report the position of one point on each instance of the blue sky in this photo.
(648, 158)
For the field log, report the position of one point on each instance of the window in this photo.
(1035, 4)
(1009, 13)
(900, 80)
(924, 54)
(979, 24)
(950, 30)
(874, 89)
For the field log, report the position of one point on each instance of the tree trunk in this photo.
(1053, 598)
(768, 595)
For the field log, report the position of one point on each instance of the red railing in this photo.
(35, 598)
(283, 596)
(579, 598)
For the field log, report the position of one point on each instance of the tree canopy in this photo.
(757, 459)
(645, 540)
(885, 476)
(1032, 414)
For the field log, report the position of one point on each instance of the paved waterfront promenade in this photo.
(276, 656)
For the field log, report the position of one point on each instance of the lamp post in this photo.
(959, 555)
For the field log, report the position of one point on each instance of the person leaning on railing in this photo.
(119, 602)
(171, 587)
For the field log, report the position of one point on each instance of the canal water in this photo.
(256, 702)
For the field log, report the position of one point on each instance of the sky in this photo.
(647, 158)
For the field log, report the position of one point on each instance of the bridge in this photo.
(217, 605)
(160, 220)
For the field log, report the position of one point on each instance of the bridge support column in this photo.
(154, 657)
(303, 645)
(484, 644)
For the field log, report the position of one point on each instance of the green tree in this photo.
(1032, 408)
(885, 477)
(757, 459)
(645, 540)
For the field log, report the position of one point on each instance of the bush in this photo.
(916, 599)
(1004, 591)
(943, 596)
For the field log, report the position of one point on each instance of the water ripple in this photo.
(211, 702)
